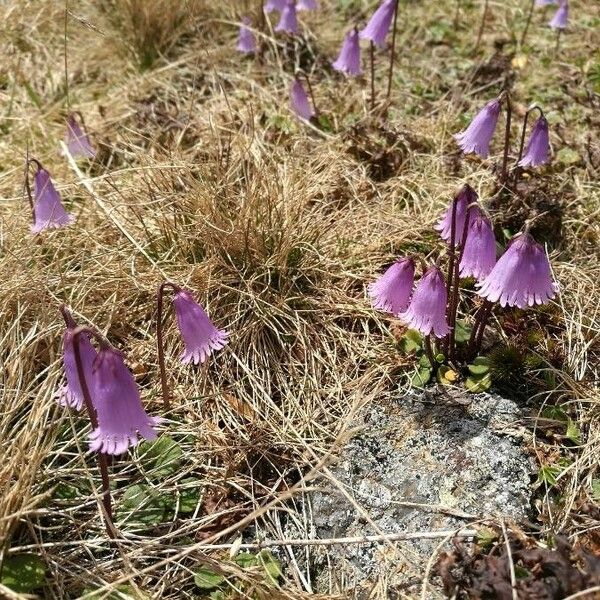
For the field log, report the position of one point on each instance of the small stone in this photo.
(450, 452)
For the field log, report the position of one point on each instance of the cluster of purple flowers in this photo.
(521, 277)
(477, 137)
(348, 60)
(288, 21)
(114, 396)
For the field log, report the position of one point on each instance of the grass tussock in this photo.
(204, 178)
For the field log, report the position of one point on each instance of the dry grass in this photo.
(205, 179)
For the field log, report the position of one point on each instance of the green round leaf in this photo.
(161, 457)
(142, 505)
(206, 579)
(271, 565)
(23, 573)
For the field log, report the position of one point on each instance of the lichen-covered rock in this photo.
(428, 461)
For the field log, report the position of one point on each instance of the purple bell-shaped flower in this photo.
(122, 419)
(288, 21)
(427, 310)
(47, 208)
(200, 336)
(522, 276)
(538, 146)
(246, 39)
(392, 291)
(379, 24)
(478, 135)
(348, 60)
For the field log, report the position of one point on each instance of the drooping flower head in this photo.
(47, 208)
(271, 5)
(246, 39)
(522, 276)
(348, 60)
(77, 140)
(560, 20)
(538, 146)
(427, 310)
(307, 5)
(391, 292)
(71, 394)
(478, 135)
(465, 196)
(122, 419)
(379, 24)
(200, 336)
(288, 21)
(299, 102)
(479, 254)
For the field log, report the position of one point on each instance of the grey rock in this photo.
(453, 454)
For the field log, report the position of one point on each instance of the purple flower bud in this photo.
(299, 102)
(307, 5)
(478, 135)
(349, 59)
(71, 394)
(379, 24)
(246, 40)
(560, 20)
(427, 310)
(77, 140)
(47, 209)
(545, 2)
(467, 195)
(288, 21)
(200, 336)
(538, 146)
(479, 254)
(391, 292)
(116, 398)
(271, 5)
(522, 276)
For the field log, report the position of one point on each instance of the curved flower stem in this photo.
(482, 26)
(87, 400)
(528, 22)
(303, 74)
(456, 288)
(392, 51)
(504, 172)
(372, 59)
(160, 348)
(28, 163)
(524, 131)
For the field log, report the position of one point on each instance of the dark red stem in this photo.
(456, 287)
(531, 7)
(87, 400)
(451, 262)
(481, 27)
(504, 172)
(372, 58)
(392, 51)
(160, 348)
(481, 319)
